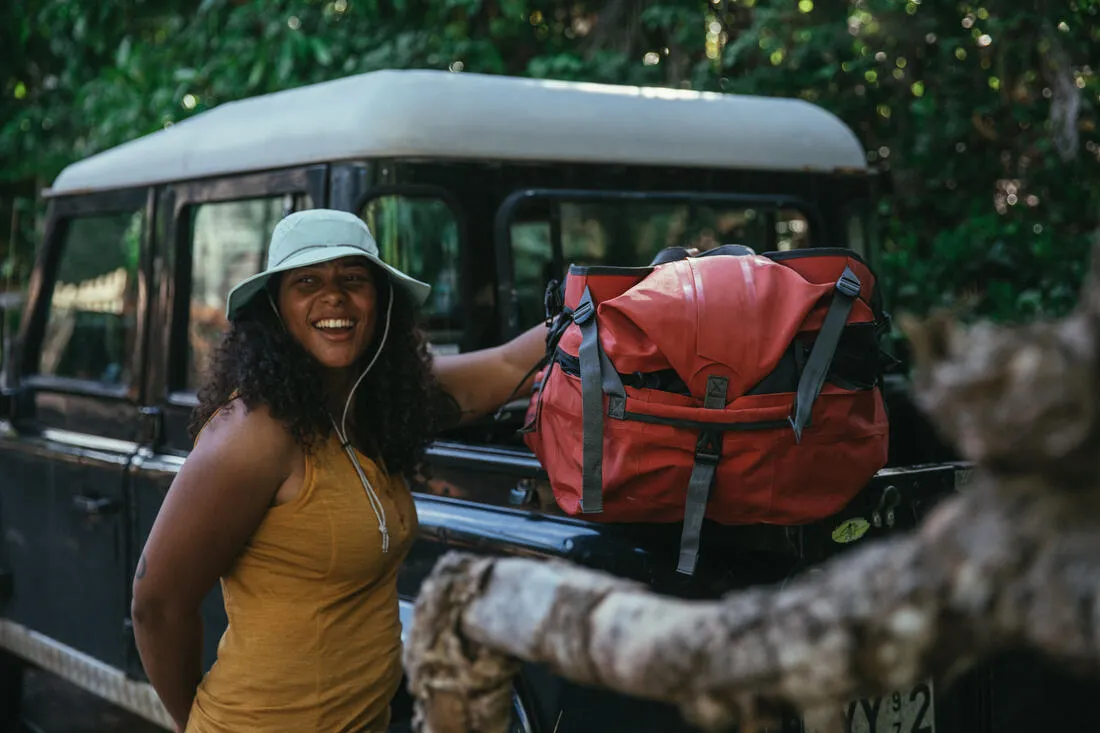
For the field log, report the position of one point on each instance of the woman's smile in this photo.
(336, 329)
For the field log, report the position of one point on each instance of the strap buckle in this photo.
(708, 447)
(584, 312)
(848, 284)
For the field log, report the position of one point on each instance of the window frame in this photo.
(61, 213)
(507, 294)
(454, 205)
(181, 362)
(865, 212)
(307, 183)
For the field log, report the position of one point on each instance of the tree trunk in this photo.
(1012, 563)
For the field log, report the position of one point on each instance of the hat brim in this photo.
(244, 291)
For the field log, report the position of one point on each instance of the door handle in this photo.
(94, 506)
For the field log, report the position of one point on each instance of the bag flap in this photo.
(731, 317)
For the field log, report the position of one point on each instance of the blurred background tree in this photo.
(983, 115)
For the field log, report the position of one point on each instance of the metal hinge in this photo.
(152, 426)
(887, 503)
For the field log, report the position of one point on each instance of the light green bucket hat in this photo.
(313, 236)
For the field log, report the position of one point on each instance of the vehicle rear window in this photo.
(419, 235)
(630, 234)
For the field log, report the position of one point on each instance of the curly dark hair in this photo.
(398, 407)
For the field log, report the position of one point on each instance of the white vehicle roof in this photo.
(441, 115)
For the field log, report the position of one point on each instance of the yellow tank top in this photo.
(314, 639)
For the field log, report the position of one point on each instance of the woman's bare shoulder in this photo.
(249, 433)
(216, 501)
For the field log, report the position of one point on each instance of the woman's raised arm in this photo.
(480, 381)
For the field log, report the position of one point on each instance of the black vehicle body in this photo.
(84, 466)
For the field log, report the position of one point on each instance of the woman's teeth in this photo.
(334, 323)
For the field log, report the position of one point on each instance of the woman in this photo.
(321, 401)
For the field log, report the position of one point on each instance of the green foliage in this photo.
(954, 101)
(983, 117)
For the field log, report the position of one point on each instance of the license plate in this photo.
(908, 711)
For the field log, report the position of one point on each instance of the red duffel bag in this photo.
(739, 387)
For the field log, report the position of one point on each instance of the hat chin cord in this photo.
(341, 432)
(341, 429)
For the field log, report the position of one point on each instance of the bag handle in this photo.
(675, 254)
(557, 318)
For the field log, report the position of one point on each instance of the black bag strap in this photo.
(538, 365)
(708, 452)
(553, 300)
(557, 320)
(821, 355)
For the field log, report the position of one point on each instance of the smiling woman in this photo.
(320, 402)
(289, 310)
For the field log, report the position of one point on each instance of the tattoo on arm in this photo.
(141, 568)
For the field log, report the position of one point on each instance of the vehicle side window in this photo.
(91, 325)
(228, 243)
(792, 231)
(630, 234)
(533, 268)
(858, 227)
(420, 236)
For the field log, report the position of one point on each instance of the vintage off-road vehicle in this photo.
(486, 187)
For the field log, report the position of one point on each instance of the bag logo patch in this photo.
(850, 530)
